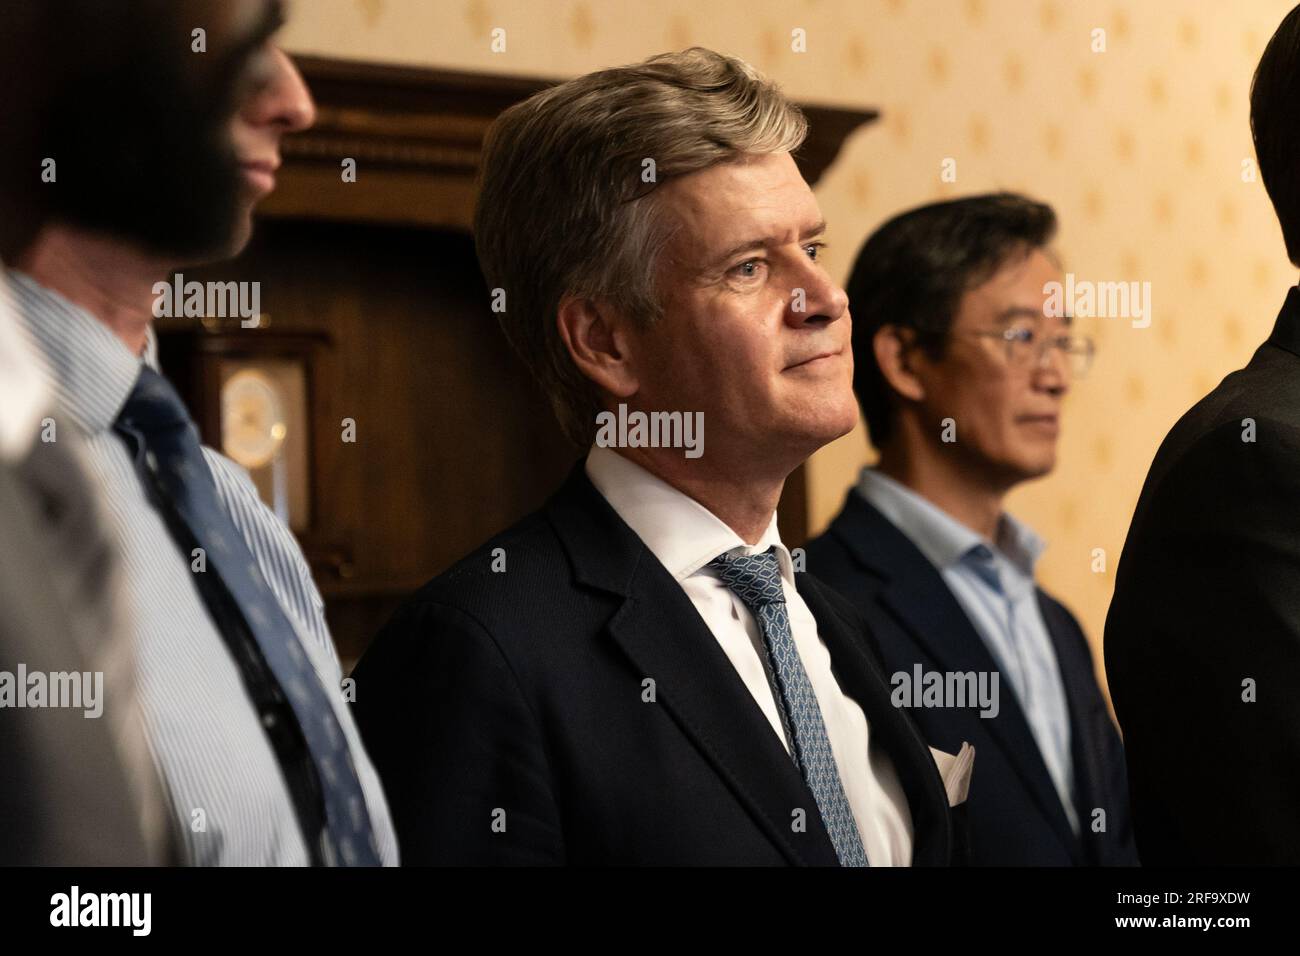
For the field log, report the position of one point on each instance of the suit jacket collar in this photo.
(1086, 708)
(940, 537)
(917, 596)
(1286, 330)
(665, 639)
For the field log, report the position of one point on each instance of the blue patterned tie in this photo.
(756, 580)
(170, 460)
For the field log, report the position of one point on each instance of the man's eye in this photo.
(1020, 335)
(747, 269)
(258, 72)
(814, 250)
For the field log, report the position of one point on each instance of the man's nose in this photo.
(284, 100)
(815, 297)
(1052, 371)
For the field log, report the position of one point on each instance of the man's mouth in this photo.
(816, 361)
(1047, 424)
(260, 173)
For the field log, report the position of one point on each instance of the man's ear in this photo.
(597, 340)
(893, 348)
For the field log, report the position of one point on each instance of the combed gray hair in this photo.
(564, 208)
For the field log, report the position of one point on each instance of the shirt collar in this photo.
(1019, 542)
(150, 356)
(679, 531)
(91, 372)
(938, 535)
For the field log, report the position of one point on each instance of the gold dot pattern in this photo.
(855, 56)
(1013, 69)
(1119, 25)
(938, 66)
(1053, 140)
(1088, 82)
(680, 32)
(1125, 145)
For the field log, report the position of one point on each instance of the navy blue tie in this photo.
(170, 460)
(756, 580)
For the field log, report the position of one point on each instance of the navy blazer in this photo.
(518, 697)
(1014, 815)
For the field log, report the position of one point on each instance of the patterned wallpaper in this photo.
(1130, 118)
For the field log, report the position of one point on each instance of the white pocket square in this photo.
(955, 771)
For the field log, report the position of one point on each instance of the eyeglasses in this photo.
(1026, 348)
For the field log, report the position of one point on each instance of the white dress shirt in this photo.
(685, 536)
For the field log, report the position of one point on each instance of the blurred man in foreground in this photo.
(239, 677)
(80, 787)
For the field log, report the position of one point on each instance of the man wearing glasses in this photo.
(961, 368)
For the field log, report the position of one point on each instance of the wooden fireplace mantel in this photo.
(416, 135)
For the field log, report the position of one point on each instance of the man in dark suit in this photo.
(1203, 634)
(961, 366)
(636, 674)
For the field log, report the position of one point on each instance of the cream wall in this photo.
(1140, 149)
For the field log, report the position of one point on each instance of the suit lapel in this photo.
(860, 678)
(1286, 330)
(914, 592)
(1089, 775)
(664, 638)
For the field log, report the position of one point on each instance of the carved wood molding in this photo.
(416, 135)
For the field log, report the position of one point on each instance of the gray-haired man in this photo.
(636, 673)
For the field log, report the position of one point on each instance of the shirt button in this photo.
(269, 720)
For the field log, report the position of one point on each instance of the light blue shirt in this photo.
(230, 804)
(994, 584)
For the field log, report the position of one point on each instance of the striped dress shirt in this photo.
(228, 795)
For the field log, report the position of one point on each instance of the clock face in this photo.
(252, 419)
